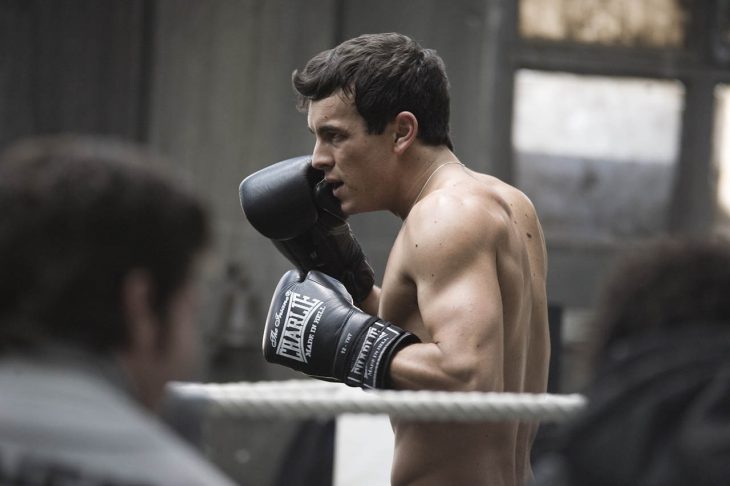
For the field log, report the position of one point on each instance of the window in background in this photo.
(633, 23)
(597, 155)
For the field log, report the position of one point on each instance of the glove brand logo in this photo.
(298, 314)
(274, 334)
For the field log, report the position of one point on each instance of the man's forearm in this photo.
(425, 366)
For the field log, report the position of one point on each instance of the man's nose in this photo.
(321, 160)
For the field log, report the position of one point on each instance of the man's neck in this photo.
(418, 169)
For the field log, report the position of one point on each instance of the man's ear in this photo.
(405, 127)
(141, 320)
(141, 358)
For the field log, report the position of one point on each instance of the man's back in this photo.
(508, 272)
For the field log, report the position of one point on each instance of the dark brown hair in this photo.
(78, 214)
(385, 74)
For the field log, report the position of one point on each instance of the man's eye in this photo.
(332, 136)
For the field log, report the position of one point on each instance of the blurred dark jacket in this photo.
(658, 415)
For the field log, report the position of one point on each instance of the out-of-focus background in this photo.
(612, 116)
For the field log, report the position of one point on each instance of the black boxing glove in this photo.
(313, 327)
(290, 203)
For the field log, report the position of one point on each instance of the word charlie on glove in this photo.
(313, 327)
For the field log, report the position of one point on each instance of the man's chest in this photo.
(399, 293)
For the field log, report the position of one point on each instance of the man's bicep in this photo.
(453, 264)
(462, 312)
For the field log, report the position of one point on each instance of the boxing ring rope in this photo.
(301, 399)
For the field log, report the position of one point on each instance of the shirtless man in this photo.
(462, 305)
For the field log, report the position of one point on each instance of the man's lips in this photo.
(334, 184)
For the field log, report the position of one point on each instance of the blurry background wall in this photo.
(609, 114)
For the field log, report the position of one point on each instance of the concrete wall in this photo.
(222, 107)
(71, 65)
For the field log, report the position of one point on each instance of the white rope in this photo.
(301, 399)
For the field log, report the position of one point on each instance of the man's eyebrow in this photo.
(326, 128)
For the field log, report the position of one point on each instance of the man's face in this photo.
(356, 163)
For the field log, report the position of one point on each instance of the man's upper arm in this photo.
(453, 263)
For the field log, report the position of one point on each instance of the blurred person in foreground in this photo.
(659, 401)
(98, 258)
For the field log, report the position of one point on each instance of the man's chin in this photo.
(347, 209)
(350, 210)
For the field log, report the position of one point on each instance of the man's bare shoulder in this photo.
(471, 213)
(464, 212)
(471, 202)
(507, 194)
